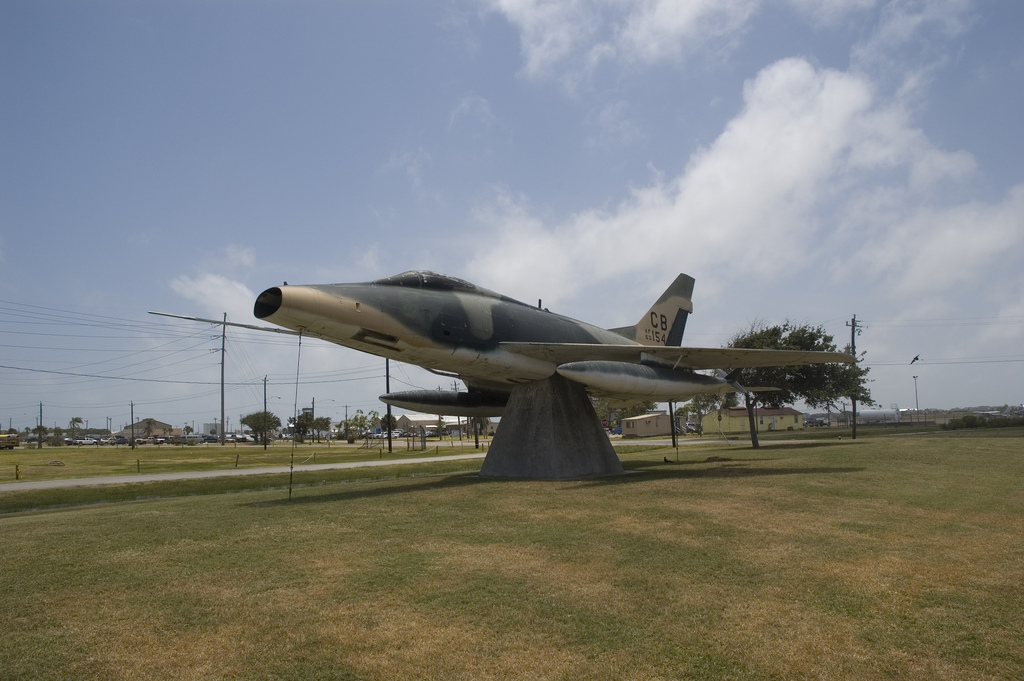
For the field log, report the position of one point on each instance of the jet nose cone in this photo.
(267, 303)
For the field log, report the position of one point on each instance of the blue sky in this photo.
(802, 159)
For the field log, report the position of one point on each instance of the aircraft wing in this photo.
(676, 357)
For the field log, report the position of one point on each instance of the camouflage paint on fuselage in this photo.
(432, 320)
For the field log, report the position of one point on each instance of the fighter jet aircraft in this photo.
(493, 343)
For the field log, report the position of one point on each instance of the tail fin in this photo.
(665, 322)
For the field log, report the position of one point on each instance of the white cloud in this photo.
(216, 288)
(413, 164)
(911, 21)
(567, 40)
(830, 11)
(550, 32)
(665, 29)
(474, 108)
(814, 163)
(216, 294)
(240, 256)
(614, 128)
(930, 250)
(759, 178)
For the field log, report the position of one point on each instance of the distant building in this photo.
(654, 423)
(735, 420)
(411, 423)
(157, 429)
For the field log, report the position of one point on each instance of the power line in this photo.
(949, 361)
(178, 382)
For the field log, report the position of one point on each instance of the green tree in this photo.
(604, 411)
(388, 422)
(638, 409)
(480, 424)
(261, 423)
(302, 424)
(320, 425)
(148, 426)
(818, 385)
(358, 424)
(613, 415)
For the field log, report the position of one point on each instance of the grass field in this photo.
(51, 463)
(881, 558)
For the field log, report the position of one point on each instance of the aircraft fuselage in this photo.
(493, 342)
(433, 321)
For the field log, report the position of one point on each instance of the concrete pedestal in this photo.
(550, 431)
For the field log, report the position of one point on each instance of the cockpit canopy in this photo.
(432, 281)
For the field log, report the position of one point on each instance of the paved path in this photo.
(192, 475)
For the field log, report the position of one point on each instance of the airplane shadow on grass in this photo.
(638, 471)
(729, 469)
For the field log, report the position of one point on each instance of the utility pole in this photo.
(854, 332)
(40, 425)
(672, 423)
(223, 342)
(264, 413)
(132, 405)
(387, 389)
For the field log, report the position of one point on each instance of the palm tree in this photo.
(75, 421)
(40, 431)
